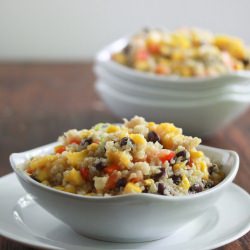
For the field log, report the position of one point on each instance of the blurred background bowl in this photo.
(199, 118)
(200, 106)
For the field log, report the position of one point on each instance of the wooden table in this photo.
(39, 102)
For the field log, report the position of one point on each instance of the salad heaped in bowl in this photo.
(134, 157)
(186, 52)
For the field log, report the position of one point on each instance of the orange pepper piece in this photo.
(111, 183)
(110, 169)
(59, 149)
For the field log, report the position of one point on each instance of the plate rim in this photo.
(35, 243)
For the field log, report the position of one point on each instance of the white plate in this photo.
(22, 220)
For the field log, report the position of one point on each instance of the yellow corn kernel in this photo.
(177, 56)
(151, 125)
(238, 65)
(74, 177)
(42, 175)
(76, 158)
(131, 188)
(178, 166)
(84, 133)
(167, 141)
(167, 128)
(120, 58)
(185, 71)
(138, 139)
(45, 182)
(204, 169)
(123, 134)
(178, 40)
(61, 188)
(148, 182)
(70, 188)
(196, 154)
(185, 184)
(41, 162)
(92, 147)
(234, 46)
(141, 65)
(121, 158)
(112, 129)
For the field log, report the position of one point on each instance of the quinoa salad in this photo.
(134, 157)
(186, 52)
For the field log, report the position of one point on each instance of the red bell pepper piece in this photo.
(167, 157)
(142, 55)
(85, 173)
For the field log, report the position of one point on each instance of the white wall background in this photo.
(42, 30)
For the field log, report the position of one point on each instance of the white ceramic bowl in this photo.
(127, 87)
(197, 117)
(125, 218)
(103, 59)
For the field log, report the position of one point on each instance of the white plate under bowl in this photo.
(24, 221)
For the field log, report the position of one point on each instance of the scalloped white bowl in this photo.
(127, 87)
(124, 218)
(196, 117)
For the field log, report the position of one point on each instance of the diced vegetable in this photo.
(85, 173)
(167, 157)
(110, 169)
(111, 183)
(59, 149)
(132, 188)
(73, 177)
(76, 158)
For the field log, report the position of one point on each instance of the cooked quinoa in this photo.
(134, 157)
(185, 52)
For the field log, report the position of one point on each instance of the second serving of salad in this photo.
(185, 52)
(134, 157)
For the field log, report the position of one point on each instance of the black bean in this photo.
(211, 169)
(145, 189)
(176, 179)
(209, 185)
(100, 166)
(125, 140)
(156, 177)
(196, 188)
(121, 182)
(127, 49)
(246, 62)
(153, 137)
(34, 178)
(85, 142)
(161, 188)
(182, 154)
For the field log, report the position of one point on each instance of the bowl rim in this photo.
(123, 41)
(187, 103)
(104, 76)
(227, 180)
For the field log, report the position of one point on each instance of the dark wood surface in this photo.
(39, 102)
